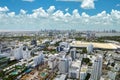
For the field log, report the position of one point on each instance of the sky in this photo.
(35, 15)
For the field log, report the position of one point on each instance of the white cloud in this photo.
(4, 9)
(43, 19)
(58, 14)
(115, 14)
(29, 0)
(85, 15)
(71, 0)
(11, 14)
(85, 4)
(23, 12)
(88, 4)
(51, 9)
(66, 9)
(118, 5)
(76, 13)
(40, 12)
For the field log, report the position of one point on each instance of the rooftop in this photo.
(95, 45)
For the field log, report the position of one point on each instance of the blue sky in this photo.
(59, 14)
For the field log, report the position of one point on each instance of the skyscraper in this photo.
(63, 65)
(73, 53)
(97, 68)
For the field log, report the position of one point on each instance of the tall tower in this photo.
(97, 68)
(73, 53)
(63, 65)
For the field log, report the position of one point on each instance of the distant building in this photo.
(34, 42)
(90, 35)
(97, 68)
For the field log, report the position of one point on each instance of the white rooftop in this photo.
(95, 45)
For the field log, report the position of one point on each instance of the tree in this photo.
(86, 60)
(84, 50)
(113, 64)
(2, 74)
(88, 76)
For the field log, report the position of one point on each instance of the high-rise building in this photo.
(89, 48)
(73, 53)
(39, 59)
(26, 54)
(97, 68)
(65, 46)
(63, 65)
(83, 72)
(74, 69)
(59, 49)
(18, 53)
(52, 62)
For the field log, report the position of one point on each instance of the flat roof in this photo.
(84, 69)
(60, 77)
(95, 45)
(76, 64)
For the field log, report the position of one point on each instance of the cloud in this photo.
(11, 14)
(88, 4)
(117, 5)
(71, 0)
(51, 9)
(51, 19)
(4, 9)
(75, 13)
(85, 4)
(66, 9)
(40, 12)
(29, 0)
(23, 12)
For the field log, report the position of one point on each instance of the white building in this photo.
(112, 75)
(38, 59)
(83, 72)
(18, 53)
(97, 68)
(90, 48)
(117, 67)
(63, 65)
(61, 77)
(69, 59)
(26, 54)
(74, 69)
(52, 62)
(65, 46)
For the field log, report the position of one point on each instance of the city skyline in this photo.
(59, 14)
